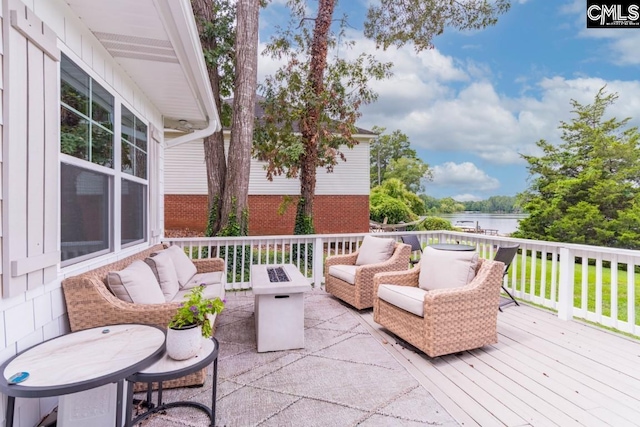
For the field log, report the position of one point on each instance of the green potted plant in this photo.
(190, 323)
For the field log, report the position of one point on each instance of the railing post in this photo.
(565, 287)
(318, 264)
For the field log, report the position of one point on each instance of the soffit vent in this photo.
(145, 48)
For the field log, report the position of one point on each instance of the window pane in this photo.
(101, 146)
(128, 120)
(101, 106)
(84, 211)
(127, 166)
(133, 212)
(74, 134)
(141, 135)
(141, 164)
(74, 89)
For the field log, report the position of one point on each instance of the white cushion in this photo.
(162, 266)
(408, 298)
(210, 292)
(211, 278)
(344, 272)
(136, 283)
(375, 250)
(440, 269)
(184, 267)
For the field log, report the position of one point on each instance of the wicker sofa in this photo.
(91, 304)
(454, 320)
(359, 294)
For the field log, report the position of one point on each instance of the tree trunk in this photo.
(310, 132)
(213, 145)
(235, 201)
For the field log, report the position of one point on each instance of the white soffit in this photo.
(156, 42)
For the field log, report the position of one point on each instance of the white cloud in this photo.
(448, 105)
(463, 177)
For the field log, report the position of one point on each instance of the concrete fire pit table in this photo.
(279, 306)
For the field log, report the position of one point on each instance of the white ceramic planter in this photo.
(184, 343)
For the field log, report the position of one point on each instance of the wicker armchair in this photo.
(360, 293)
(91, 304)
(454, 320)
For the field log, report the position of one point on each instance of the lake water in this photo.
(504, 223)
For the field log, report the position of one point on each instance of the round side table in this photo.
(452, 247)
(80, 361)
(167, 369)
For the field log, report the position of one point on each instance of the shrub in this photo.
(433, 223)
(394, 210)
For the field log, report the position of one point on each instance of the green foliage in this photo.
(433, 223)
(212, 216)
(449, 205)
(289, 97)
(394, 201)
(398, 22)
(394, 210)
(503, 204)
(586, 189)
(411, 171)
(303, 223)
(236, 227)
(393, 157)
(216, 27)
(194, 311)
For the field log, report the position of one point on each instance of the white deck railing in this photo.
(601, 290)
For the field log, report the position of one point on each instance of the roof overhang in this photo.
(157, 44)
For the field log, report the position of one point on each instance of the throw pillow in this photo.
(136, 283)
(441, 269)
(375, 250)
(163, 268)
(184, 267)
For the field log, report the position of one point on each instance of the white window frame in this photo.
(115, 174)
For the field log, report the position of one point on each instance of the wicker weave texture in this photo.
(91, 304)
(360, 294)
(455, 319)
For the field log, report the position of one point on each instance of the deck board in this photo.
(542, 372)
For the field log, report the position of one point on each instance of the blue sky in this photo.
(479, 99)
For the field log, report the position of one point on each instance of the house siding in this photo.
(186, 173)
(39, 314)
(341, 202)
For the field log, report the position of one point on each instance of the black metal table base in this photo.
(159, 377)
(159, 408)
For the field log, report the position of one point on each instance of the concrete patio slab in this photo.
(343, 377)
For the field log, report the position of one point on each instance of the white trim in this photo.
(186, 42)
(115, 174)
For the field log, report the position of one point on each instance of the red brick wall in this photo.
(185, 211)
(332, 214)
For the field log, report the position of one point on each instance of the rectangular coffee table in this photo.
(279, 306)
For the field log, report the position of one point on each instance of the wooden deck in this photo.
(542, 372)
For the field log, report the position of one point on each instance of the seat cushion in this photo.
(136, 283)
(408, 298)
(211, 278)
(185, 269)
(344, 272)
(210, 292)
(375, 250)
(162, 266)
(440, 269)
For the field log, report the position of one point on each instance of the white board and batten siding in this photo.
(32, 307)
(186, 173)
